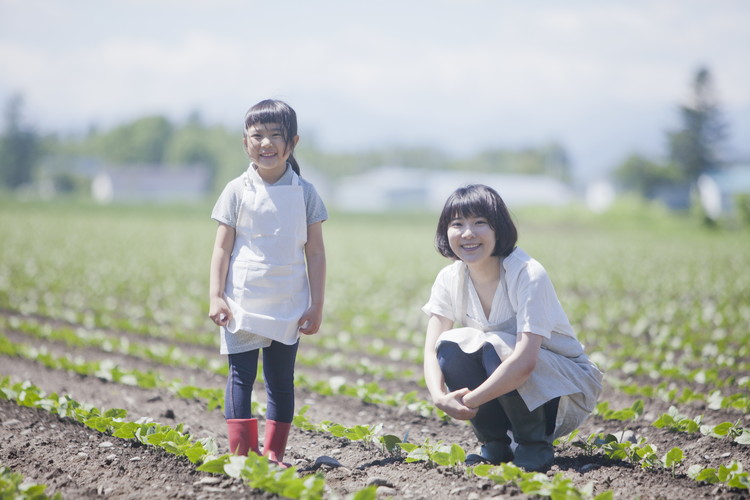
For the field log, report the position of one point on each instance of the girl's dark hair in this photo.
(274, 111)
(477, 200)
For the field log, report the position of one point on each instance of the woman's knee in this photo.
(490, 359)
(449, 353)
(460, 369)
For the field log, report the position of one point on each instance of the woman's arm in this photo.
(511, 373)
(218, 310)
(450, 402)
(315, 254)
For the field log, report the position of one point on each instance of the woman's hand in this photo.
(512, 372)
(453, 405)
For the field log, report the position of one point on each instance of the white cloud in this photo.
(585, 72)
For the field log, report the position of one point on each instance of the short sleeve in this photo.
(227, 206)
(441, 298)
(316, 209)
(539, 310)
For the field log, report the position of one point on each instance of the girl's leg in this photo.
(278, 371)
(471, 370)
(242, 430)
(243, 368)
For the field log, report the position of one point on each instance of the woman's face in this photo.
(266, 147)
(471, 238)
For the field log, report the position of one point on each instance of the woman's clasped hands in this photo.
(452, 403)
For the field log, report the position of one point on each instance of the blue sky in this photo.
(602, 78)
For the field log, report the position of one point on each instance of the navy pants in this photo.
(470, 370)
(278, 373)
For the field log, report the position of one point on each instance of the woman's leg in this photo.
(471, 370)
(243, 368)
(532, 430)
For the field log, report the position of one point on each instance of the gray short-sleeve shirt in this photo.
(226, 211)
(227, 206)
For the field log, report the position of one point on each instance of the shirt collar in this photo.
(286, 177)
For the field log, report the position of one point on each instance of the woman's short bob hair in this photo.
(477, 200)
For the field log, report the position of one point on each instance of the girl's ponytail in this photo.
(293, 162)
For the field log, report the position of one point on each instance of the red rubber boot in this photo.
(275, 443)
(243, 435)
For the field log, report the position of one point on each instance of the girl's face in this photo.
(471, 238)
(267, 148)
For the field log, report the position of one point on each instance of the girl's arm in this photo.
(218, 309)
(315, 254)
(450, 402)
(511, 373)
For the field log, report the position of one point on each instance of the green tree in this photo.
(189, 145)
(214, 148)
(644, 176)
(20, 147)
(142, 141)
(696, 147)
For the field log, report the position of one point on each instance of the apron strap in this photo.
(463, 296)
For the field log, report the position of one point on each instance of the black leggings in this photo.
(278, 373)
(470, 370)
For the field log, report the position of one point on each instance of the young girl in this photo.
(267, 276)
(514, 367)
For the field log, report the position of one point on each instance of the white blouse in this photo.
(530, 298)
(525, 301)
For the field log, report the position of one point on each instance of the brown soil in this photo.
(81, 463)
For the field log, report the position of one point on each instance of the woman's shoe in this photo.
(492, 452)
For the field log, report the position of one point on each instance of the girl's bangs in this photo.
(265, 116)
(271, 111)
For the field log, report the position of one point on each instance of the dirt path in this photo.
(75, 461)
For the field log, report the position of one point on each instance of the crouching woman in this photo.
(499, 349)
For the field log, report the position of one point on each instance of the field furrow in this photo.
(119, 325)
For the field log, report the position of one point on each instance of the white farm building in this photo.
(398, 188)
(154, 184)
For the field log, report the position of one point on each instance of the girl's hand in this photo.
(453, 405)
(309, 323)
(219, 311)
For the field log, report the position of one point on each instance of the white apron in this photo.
(562, 370)
(267, 288)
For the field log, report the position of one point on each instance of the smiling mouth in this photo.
(267, 155)
(470, 247)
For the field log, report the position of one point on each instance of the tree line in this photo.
(26, 155)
